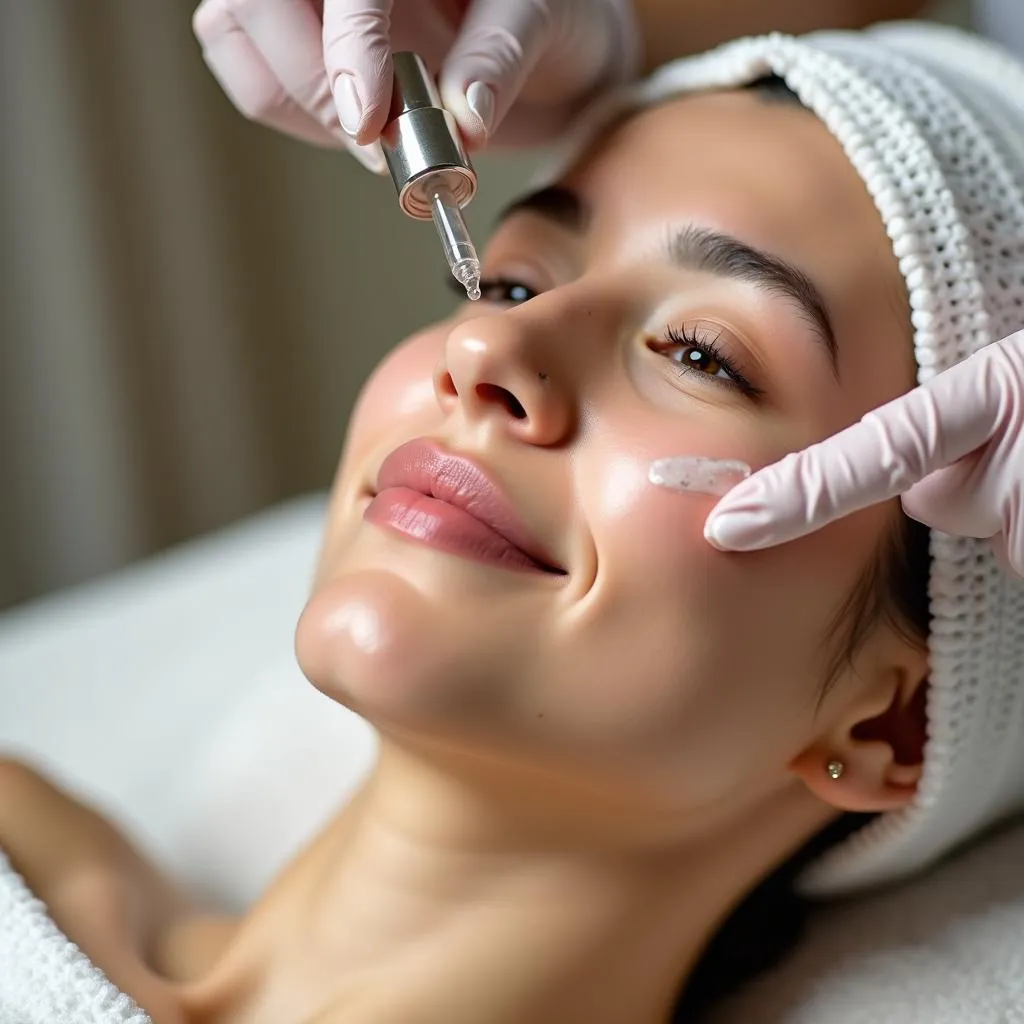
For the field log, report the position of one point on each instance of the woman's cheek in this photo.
(613, 475)
(396, 404)
(650, 540)
(400, 391)
(651, 527)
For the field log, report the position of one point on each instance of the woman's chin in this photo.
(377, 644)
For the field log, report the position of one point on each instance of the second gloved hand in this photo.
(953, 447)
(515, 70)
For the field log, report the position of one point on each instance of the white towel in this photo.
(44, 977)
(947, 948)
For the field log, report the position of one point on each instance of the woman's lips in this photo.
(445, 500)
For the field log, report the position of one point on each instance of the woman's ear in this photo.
(873, 759)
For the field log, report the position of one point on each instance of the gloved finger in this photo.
(965, 500)
(498, 45)
(289, 37)
(245, 75)
(957, 499)
(882, 456)
(357, 55)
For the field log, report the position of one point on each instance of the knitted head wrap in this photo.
(932, 119)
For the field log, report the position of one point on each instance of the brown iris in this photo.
(697, 360)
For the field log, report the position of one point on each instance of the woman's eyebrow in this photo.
(701, 249)
(566, 208)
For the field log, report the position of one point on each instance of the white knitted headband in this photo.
(933, 121)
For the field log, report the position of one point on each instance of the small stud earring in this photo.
(835, 769)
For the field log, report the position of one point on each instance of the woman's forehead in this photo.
(768, 173)
(775, 165)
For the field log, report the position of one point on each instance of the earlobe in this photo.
(868, 780)
(874, 761)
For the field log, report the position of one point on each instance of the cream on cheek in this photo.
(697, 474)
(694, 439)
(650, 526)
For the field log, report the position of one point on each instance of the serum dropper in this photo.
(429, 165)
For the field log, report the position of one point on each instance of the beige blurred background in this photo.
(188, 303)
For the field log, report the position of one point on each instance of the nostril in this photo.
(446, 386)
(501, 396)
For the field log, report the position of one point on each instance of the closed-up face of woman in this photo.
(499, 577)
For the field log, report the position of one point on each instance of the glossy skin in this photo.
(581, 772)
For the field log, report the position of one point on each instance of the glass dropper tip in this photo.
(467, 273)
(458, 247)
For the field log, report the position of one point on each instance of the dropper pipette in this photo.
(429, 165)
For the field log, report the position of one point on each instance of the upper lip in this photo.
(425, 466)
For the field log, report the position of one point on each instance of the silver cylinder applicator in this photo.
(429, 165)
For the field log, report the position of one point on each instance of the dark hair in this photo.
(770, 920)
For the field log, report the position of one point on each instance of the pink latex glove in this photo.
(953, 447)
(523, 65)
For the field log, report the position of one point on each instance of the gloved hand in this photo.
(523, 65)
(953, 447)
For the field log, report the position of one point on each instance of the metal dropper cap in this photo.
(429, 165)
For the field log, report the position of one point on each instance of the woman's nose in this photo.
(498, 367)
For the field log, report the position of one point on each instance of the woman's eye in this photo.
(700, 352)
(505, 291)
(699, 360)
(696, 353)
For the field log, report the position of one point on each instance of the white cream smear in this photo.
(698, 474)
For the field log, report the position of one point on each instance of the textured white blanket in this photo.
(44, 978)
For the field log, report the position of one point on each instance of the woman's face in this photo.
(712, 280)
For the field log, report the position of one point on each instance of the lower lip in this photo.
(445, 527)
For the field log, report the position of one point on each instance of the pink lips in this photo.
(448, 502)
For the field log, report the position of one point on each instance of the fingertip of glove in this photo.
(480, 101)
(739, 531)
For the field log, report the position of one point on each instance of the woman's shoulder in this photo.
(98, 890)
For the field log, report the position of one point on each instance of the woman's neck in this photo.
(455, 894)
